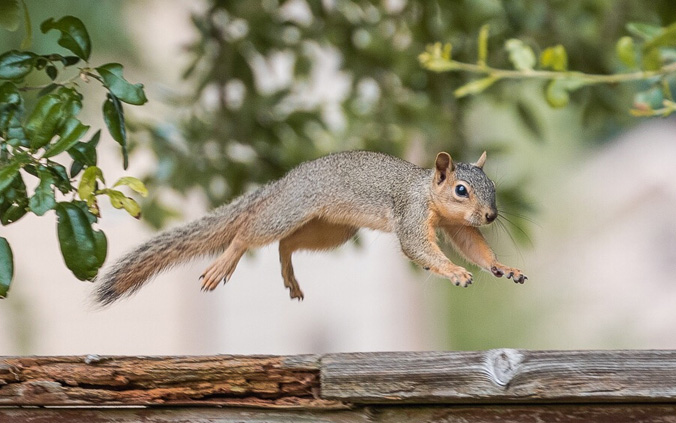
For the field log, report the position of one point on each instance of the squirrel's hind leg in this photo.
(223, 267)
(317, 234)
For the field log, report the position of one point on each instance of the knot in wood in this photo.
(503, 365)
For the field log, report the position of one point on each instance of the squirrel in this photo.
(320, 205)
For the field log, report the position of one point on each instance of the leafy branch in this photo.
(33, 141)
(649, 57)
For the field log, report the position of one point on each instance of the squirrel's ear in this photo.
(444, 165)
(480, 163)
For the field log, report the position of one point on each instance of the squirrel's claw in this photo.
(516, 275)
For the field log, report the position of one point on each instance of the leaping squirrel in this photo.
(320, 205)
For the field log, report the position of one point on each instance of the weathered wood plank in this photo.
(215, 380)
(500, 376)
(338, 381)
(620, 413)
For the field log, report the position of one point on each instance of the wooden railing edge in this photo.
(343, 380)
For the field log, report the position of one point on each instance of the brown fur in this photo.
(320, 205)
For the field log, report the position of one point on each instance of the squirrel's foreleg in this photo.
(469, 242)
(419, 244)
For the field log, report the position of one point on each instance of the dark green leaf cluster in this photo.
(38, 124)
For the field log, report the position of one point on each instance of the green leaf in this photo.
(666, 38)
(85, 152)
(61, 181)
(100, 248)
(73, 36)
(475, 87)
(113, 115)
(626, 52)
(6, 267)
(71, 100)
(9, 96)
(121, 201)
(88, 184)
(51, 72)
(521, 55)
(82, 248)
(43, 121)
(483, 45)
(10, 14)
(91, 218)
(43, 199)
(16, 64)
(71, 133)
(133, 183)
(7, 174)
(437, 58)
(643, 30)
(554, 58)
(557, 91)
(28, 38)
(15, 203)
(651, 60)
(119, 87)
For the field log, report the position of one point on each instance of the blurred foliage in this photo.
(40, 100)
(656, 48)
(277, 83)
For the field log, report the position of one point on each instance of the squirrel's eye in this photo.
(461, 191)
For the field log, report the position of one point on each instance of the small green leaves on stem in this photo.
(521, 55)
(554, 58)
(475, 87)
(657, 47)
(6, 267)
(74, 36)
(32, 142)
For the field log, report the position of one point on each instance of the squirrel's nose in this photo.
(491, 216)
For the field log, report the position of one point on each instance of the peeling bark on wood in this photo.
(218, 380)
(489, 386)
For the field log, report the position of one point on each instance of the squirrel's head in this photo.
(462, 192)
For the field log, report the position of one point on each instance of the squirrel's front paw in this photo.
(461, 277)
(500, 270)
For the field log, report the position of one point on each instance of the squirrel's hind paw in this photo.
(500, 270)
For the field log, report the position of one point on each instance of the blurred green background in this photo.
(262, 86)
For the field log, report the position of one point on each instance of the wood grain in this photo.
(500, 376)
(348, 382)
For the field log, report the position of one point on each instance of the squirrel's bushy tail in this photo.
(208, 235)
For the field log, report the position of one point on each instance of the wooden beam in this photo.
(500, 376)
(199, 380)
(342, 381)
(569, 413)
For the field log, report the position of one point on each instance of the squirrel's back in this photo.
(359, 188)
